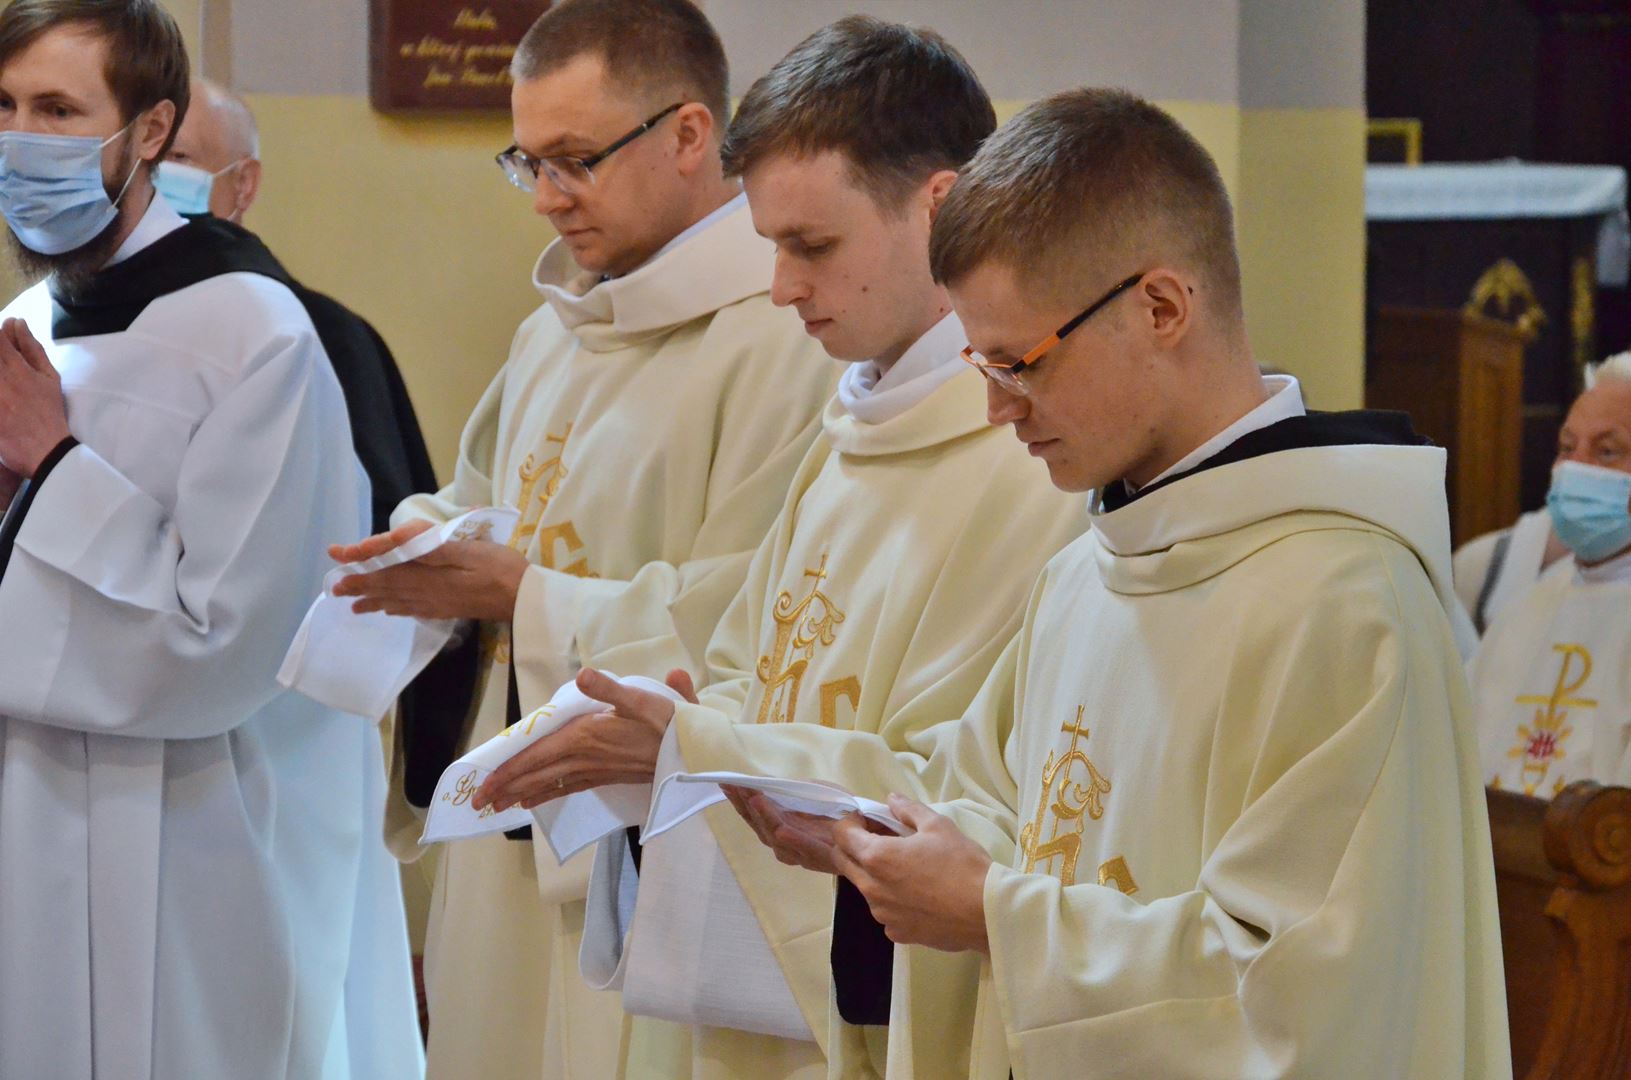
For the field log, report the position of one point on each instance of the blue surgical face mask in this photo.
(1591, 509)
(187, 187)
(51, 190)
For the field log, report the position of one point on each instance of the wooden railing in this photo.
(1563, 877)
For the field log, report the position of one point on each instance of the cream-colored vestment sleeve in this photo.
(1299, 951)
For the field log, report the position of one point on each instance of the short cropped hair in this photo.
(898, 101)
(147, 59)
(1090, 181)
(649, 47)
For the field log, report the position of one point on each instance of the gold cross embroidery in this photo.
(1071, 801)
(533, 502)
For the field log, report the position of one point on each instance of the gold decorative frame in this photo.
(1504, 292)
(1583, 317)
(1406, 128)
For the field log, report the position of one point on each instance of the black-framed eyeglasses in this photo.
(569, 174)
(1006, 374)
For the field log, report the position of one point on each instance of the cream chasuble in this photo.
(887, 589)
(1552, 683)
(646, 428)
(1228, 774)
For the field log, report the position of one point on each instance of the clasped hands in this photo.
(33, 414)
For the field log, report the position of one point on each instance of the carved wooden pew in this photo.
(1563, 880)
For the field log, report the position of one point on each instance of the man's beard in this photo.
(73, 270)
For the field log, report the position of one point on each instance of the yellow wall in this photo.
(189, 16)
(410, 223)
(1299, 208)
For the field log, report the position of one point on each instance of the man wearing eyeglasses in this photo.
(646, 427)
(1218, 811)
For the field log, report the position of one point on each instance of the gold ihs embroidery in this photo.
(831, 693)
(566, 534)
(801, 626)
(1540, 742)
(532, 502)
(1114, 872)
(540, 483)
(1070, 799)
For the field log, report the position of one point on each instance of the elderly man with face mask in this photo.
(1552, 678)
(646, 427)
(192, 881)
(214, 168)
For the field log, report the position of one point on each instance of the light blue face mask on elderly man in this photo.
(187, 187)
(51, 190)
(1591, 509)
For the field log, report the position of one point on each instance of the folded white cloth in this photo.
(568, 825)
(695, 953)
(360, 663)
(614, 889)
(684, 794)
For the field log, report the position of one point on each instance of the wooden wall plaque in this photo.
(445, 55)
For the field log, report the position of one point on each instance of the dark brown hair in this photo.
(897, 101)
(1090, 183)
(653, 48)
(147, 59)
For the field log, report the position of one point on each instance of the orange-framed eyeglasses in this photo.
(1007, 375)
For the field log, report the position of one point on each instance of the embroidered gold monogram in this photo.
(533, 502)
(1074, 797)
(540, 482)
(801, 626)
(525, 725)
(566, 535)
(1540, 743)
(1114, 872)
(474, 530)
(462, 790)
(832, 692)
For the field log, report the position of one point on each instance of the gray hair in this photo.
(1617, 367)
